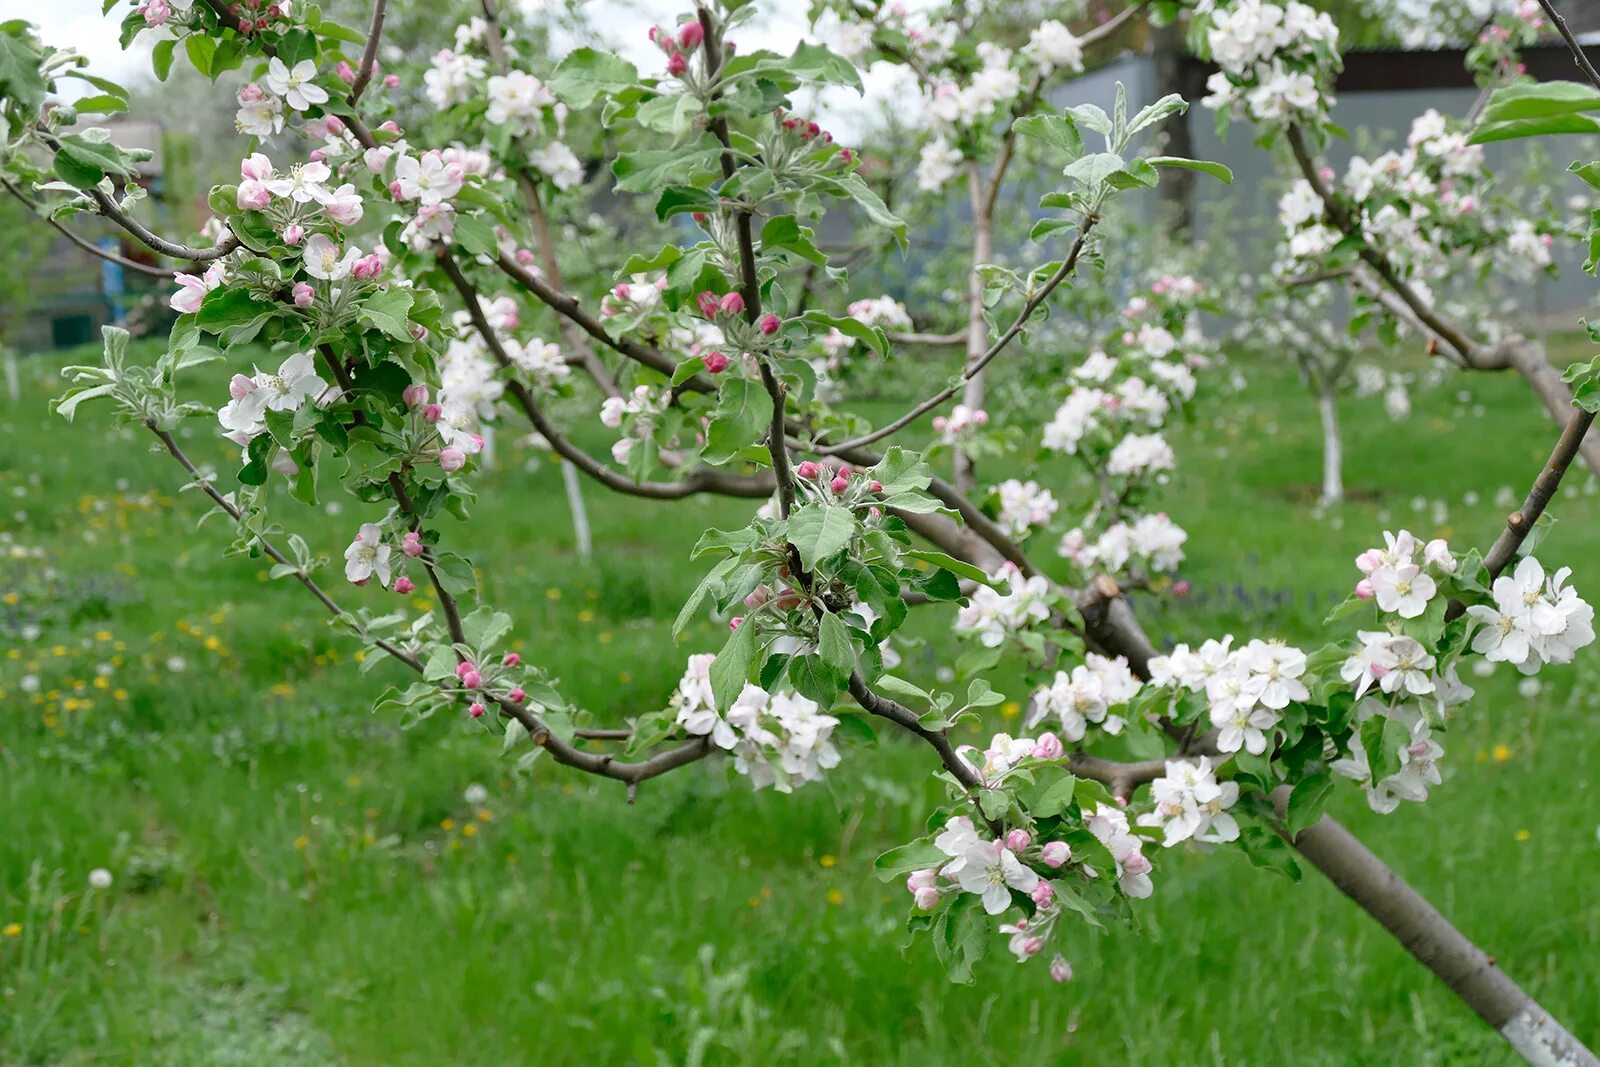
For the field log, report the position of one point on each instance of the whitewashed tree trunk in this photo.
(580, 515)
(1332, 445)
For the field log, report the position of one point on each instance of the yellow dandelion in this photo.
(836, 896)
(829, 861)
(102, 682)
(11, 929)
(605, 638)
(447, 824)
(102, 635)
(755, 902)
(1522, 835)
(301, 842)
(354, 781)
(485, 815)
(1010, 709)
(1502, 753)
(586, 615)
(119, 694)
(213, 642)
(552, 593)
(422, 603)
(11, 598)
(469, 830)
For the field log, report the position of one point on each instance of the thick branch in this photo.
(83, 242)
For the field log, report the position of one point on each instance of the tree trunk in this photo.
(580, 514)
(977, 328)
(1438, 946)
(1332, 444)
(1177, 185)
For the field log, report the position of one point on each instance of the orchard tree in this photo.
(402, 287)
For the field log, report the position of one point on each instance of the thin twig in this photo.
(369, 54)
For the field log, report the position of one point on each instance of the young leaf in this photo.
(817, 531)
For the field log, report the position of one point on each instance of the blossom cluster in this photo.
(1089, 693)
(782, 740)
(992, 615)
(1191, 803)
(1276, 61)
(1152, 542)
(1246, 688)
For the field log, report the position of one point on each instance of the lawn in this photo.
(298, 881)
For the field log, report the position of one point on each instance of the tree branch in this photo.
(369, 54)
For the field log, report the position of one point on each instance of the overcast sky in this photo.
(80, 24)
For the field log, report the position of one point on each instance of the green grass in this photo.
(296, 884)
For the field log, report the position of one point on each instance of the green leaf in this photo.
(1216, 170)
(901, 471)
(677, 199)
(851, 187)
(588, 73)
(961, 937)
(785, 231)
(814, 679)
(1056, 131)
(475, 235)
(960, 568)
(1092, 170)
(875, 338)
(731, 669)
(917, 856)
(1529, 99)
(1307, 801)
(1268, 851)
(834, 645)
(900, 689)
(1543, 126)
(386, 310)
(644, 172)
(1055, 799)
(1382, 738)
(744, 412)
(817, 531)
(697, 599)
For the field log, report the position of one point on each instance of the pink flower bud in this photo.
(403, 585)
(347, 73)
(708, 303)
(302, 294)
(732, 304)
(622, 291)
(452, 459)
(511, 659)
(1032, 946)
(715, 362)
(1042, 894)
(690, 34)
(808, 470)
(395, 192)
(253, 195)
(875, 485)
(1048, 747)
(1181, 588)
(389, 126)
(770, 324)
(367, 267)
(463, 667)
(317, 155)
(476, 711)
(845, 471)
(1055, 853)
(847, 155)
(391, 81)
(757, 597)
(940, 422)
(734, 623)
(518, 695)
(432, 412)
(335, 124)
(1060, 970)
(1364, 589)
(250, 93)
(1018, 840)
(839, 484)
(293, 234)
(472, 679)
(923, 879)
(525, 256)
(415, 395)
(927, 898)
(411, 544)
(240, 387)
(677, 63)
